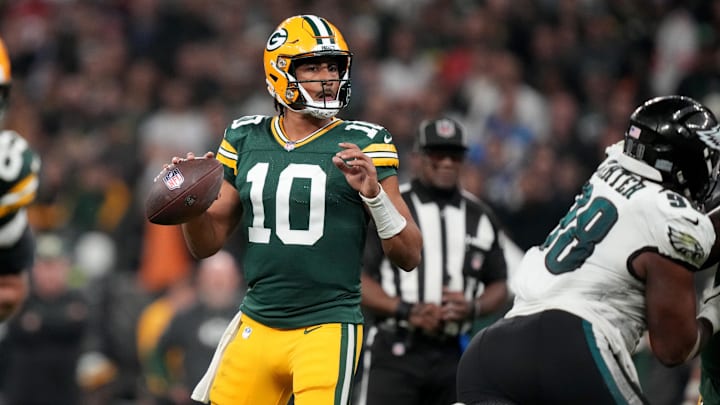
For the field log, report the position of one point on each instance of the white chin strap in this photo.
(320, 113)
(319, 109)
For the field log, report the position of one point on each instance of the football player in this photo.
(710, 355)
(19, 167)
(302, 187)
(620, 262)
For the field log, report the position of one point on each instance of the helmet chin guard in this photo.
(305, 104)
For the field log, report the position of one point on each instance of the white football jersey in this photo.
(582, 267)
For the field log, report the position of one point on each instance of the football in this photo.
(183, 191)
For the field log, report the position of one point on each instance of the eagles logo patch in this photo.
(711, 136)
(687, 246)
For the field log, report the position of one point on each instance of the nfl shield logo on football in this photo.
(173, 179)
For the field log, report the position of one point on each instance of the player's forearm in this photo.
(207, 233)
(202, 236)
(405, 248)
(493, 298)
(13, 289)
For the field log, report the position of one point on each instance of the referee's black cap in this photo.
(442, 133)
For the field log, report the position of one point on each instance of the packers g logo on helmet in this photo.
(300, 37)
(277, 39)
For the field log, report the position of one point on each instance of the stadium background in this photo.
(108, 90)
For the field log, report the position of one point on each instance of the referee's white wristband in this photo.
(388, 221)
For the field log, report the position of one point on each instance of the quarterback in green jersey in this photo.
(302, 186)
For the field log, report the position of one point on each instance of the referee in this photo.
(414, 345)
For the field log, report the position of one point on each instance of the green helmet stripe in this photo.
(321, 29)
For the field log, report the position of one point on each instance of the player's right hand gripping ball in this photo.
(183, 191)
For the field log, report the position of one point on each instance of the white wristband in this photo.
(709, 308)
(696, 348)
(711, 313)
(388, 221)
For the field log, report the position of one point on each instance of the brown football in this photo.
(183, 191)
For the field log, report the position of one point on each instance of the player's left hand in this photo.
(358, 169)
(710, 305)
(13, 290)
(189, 156)
(455, 307)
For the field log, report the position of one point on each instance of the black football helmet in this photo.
(681, 139)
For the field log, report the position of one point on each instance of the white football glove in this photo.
(710, 304)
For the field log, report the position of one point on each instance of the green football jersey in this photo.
(19, 167)
(304, 224)
(710, 364)
(710, 371)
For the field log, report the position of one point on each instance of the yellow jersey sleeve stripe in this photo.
(227, 147)
(380, 147)
(383, 154)
(22, 193)
(10, 208)
(227, 162)
(386, 161)
(227, 155)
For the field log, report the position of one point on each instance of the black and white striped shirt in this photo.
(461, 247)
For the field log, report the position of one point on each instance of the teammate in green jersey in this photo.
(302, 186)
(710, 365)
(19, 167)
(710, 354)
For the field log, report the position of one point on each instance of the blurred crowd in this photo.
(109, 90)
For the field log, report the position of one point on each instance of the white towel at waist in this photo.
(202, 389)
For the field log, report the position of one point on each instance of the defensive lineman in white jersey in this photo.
(619, 263)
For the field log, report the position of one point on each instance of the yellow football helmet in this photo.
(298, 37)
(5, 78)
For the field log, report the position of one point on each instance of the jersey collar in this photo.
(636, 166)
(278, 131)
